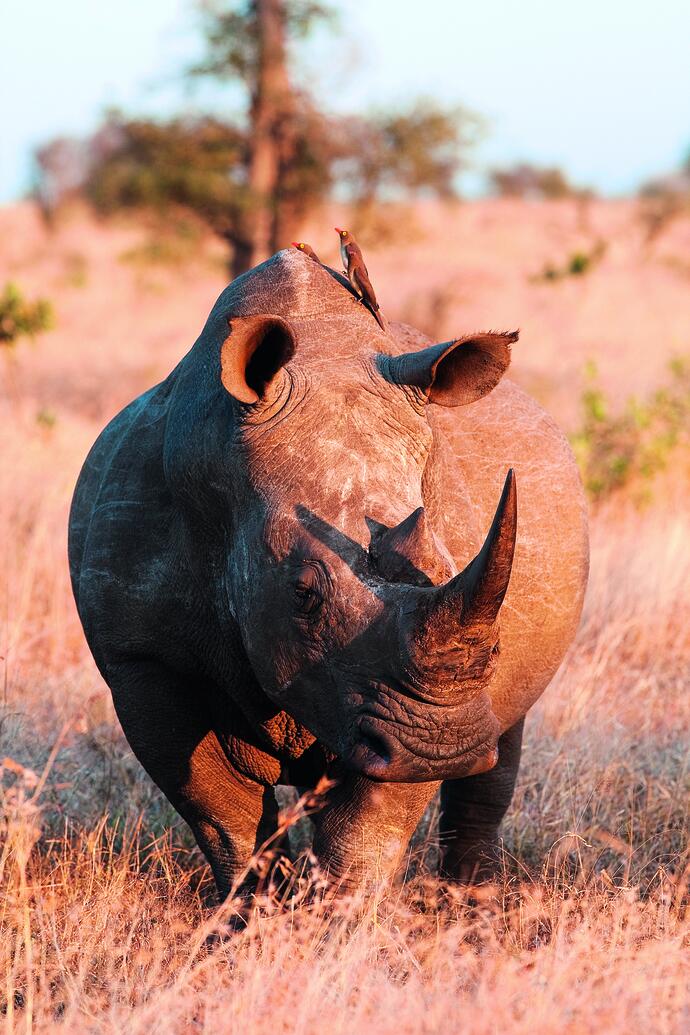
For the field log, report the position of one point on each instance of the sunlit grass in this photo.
(107, 917)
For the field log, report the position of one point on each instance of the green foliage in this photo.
(615, 451)
(46, 418)
(405, 152)
(19, 317)
(232, 37)
(199, 164)
(577, 264)
(192, 163)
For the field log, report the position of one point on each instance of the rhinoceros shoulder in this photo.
(124, 558)
(477, 444)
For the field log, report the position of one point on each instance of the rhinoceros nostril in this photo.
(371, 740)
(372, 751)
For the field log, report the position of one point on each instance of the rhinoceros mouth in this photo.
(380, 753)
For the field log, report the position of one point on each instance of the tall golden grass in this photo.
(106, 923)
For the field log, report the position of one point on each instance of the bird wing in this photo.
(360, 278)
(353, 256)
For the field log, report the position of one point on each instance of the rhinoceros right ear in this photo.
(454, 373)
(253, 355)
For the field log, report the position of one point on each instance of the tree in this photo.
(405, 152)
(247, 42)
(253, 178)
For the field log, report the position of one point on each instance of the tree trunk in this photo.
(287, 220)
(269, 118)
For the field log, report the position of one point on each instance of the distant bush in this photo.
(578, 263)
(19, 317)
(532, 181)
(630, 448)
(663, 200)
(659, 209)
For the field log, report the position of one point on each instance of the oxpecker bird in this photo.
(357, 273)
(307, 249)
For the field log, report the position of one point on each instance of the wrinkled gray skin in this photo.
(267, 601)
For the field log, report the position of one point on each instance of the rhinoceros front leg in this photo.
(365, 828)
(170, 730)
(472, 810)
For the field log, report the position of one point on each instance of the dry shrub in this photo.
(105, 940)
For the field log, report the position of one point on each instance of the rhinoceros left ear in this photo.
(453, 373)
(253, 355)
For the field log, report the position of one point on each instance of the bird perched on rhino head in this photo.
(307, 249)
(357, 273)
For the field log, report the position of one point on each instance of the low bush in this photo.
(577, 264)
(630, 448)
(19, 316)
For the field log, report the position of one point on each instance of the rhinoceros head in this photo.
(352, 613)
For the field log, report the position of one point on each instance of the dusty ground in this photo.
(103, 925)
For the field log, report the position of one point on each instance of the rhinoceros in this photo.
(302, 554)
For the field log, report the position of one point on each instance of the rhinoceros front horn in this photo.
(474, 597)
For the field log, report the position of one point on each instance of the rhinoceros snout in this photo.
(379, 755)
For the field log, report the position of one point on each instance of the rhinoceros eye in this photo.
(308, 598)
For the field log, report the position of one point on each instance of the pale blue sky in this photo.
(600, 87)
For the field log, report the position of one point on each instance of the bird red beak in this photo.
(295, 244)
(337, 229)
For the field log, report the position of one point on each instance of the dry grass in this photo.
(104, 918)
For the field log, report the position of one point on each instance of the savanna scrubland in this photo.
(106, 917)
